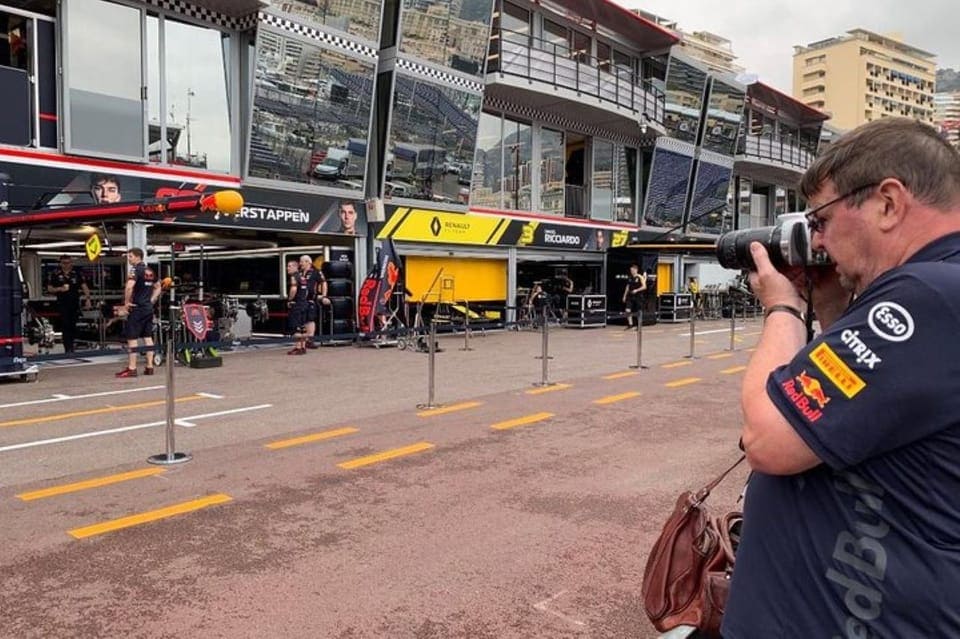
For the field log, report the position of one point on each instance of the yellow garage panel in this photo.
(463, 279)
(664, 278)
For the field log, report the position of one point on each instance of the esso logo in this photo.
(890, 321)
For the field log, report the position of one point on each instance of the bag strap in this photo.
(704, 492)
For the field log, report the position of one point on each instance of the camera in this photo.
(787, 243)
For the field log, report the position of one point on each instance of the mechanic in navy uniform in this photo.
(315, 285)
(67, 284)
(852, 513)
(139, 297)
(296, 308)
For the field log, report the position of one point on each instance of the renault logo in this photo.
(435, 226)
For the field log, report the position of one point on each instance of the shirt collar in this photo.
(940, 249)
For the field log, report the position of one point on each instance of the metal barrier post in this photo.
(693, 332)
(639, 363)
(733, 325)
(466, 329)
(545, 350)
(431, 367)
(171, 456)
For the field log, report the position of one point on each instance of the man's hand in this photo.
(770, 285)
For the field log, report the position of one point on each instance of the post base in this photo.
(429, 406)
(542, 384)
(640, 366)
(164, 459)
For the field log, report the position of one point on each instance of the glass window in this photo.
(356, 17)
(104, 67)
(432, 137)
(517, 162)
(603, 180)
(708, 213)
(555, 39)
(197, 115)
(626, 201)
(580, 44)
(451, 33)
(515, 22)
(666, 195)
(487, 184)
(552, 153)
(16, 54)
(685, 84)
(603, 56)
(311, 113)
(723, 118)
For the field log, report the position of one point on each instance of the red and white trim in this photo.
(536, 217)
(57, 160)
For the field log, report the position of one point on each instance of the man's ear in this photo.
(895, 200)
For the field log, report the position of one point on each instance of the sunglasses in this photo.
(817, 224)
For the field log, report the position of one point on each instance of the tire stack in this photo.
(338, 318)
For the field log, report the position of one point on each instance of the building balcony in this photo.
(520, 62)
(771, 160)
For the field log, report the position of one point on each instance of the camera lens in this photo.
(733, 249)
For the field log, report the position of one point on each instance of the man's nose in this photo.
(816, 241)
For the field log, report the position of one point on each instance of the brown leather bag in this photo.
(687, 576)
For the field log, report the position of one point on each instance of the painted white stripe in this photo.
(719, 330)
(62, 398)
(124, 429)
(210, 395)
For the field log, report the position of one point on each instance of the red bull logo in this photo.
(804, 391)
(812, 388)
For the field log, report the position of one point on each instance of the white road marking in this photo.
(210, 395)
(123, 429)
(61, 397)
(718, 330)
(542, 607)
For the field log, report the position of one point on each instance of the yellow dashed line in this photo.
(521, 421)
(677, 364)
(448, 409)
(682, 382)
(548, 389)
(734, 369)
(307, 439)
(385, 455)
(609, 399)
(150, 515)
(619, 375)
(90, 483)
(720, 356)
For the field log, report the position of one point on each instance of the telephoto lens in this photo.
(787, 244)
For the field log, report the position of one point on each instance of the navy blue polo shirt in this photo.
(866, 544)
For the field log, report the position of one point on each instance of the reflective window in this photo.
(515, 22)
(16, 60)
(603, 56)
(684, 95)
(197, 116)
(104, 75)
(580, 43)
(745, 186)
(357, 17)
(450, 33)
(555, 39)
(311, 113)
(487, 186)
(552, 153)
(723, 118)
(667, 189)
(432, 137)
(625, 204)
(601, 198)
(517, 162)
(709, 212)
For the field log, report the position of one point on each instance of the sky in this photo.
(764, 32)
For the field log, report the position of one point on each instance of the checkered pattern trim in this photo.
(672, 144)
(530, 113)
(317, 35)
(183, 8)
(719, 159)
(438, 75)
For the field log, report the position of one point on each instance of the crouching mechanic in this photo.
(139, 297)
(852, 514)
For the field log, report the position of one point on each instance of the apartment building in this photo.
(946, 106)
(715, 51)
(863, 76)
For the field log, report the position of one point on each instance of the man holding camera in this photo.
(852, 513)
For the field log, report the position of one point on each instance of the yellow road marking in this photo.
(96, 411)
(609, 399)
(306, 439)
(677, 364)
(682, 382)
(150, 515)
(719, 355)
(90, 483)
(447, 409)
(385, 455)
(548, 389)
(619, 375)
(521, 421)
(734, 369)
(753, 333)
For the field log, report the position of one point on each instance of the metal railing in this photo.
(519, 54)
(767, 148)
